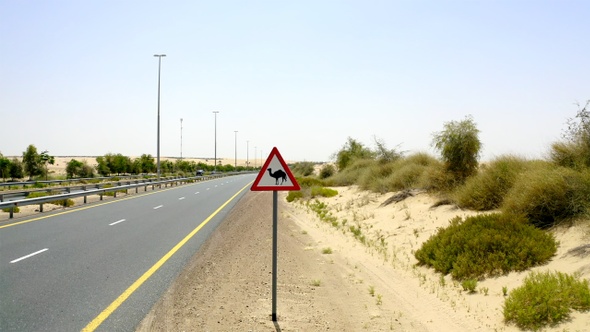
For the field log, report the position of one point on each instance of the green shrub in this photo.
(570, 154)
(406, 176)
(304, 168)
(546, 298)
(323, 191)
(322, 210)
(327, 170)
(486, 245)
(351, 174)
(487, 189)
(63, 202)
(68, 202)
(436, 179)
(15, 210)
(293, 195)
(372, 178)
(308, 182)
(469, 285)
(37, 194)
(547, 195)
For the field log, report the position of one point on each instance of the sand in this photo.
(356, 287)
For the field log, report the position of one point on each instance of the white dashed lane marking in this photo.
(116, 222)
(28, 256)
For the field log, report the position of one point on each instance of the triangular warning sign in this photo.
(275, 175)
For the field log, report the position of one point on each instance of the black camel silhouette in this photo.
(278, 174)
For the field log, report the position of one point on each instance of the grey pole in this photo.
(215, 166)
(235, 149)
(247, 153)
(159, 56)
(180, 138)
(275, 226)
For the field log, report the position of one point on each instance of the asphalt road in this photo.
(102, 266)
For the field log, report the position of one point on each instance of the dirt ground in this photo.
(227, 285)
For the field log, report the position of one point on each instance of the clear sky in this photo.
(79, 78)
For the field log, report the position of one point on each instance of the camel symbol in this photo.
(278, 174)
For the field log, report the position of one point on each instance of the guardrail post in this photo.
(11, 212)
(1, 198)
(40, 207)
(85, 199)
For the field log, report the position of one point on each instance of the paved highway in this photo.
(102, 266)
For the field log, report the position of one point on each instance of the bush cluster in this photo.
(486, 245)
(547, 195)
(546, 298)
(486, 190)
(310, 188)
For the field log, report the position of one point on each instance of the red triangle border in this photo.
(256, 185)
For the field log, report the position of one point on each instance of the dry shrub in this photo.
(547, 195)
(487, 189)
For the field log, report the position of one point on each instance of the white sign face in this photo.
(275, 175)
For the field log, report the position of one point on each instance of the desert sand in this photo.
(330, 281)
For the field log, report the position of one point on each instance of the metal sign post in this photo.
(267, 180)
(275, 227)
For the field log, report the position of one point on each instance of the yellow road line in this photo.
(95, 323)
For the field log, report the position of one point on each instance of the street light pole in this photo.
(159, 56)
(235, 149)
(180, 138)
(247, 154)
(215, 166)
(255, 152)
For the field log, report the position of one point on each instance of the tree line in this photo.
(34, 164)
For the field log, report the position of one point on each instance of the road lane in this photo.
(91, 263)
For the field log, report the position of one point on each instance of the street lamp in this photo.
(215, 166)
(247, 154)
(255, 152)
(235, 149)
(159, 56)
(180, 138)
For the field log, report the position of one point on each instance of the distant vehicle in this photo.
(200, 172)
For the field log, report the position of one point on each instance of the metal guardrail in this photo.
(24, 184)
(4, 195)
(102, 191)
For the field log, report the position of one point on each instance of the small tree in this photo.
(73, 168)
(459, 146)
(148, 165)
(102, 167)
(16, 169)
(352, 150)
(327, 171)
(4, 167)
(574, 152)
(385, 155)
(44, 159)
(31, 162)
